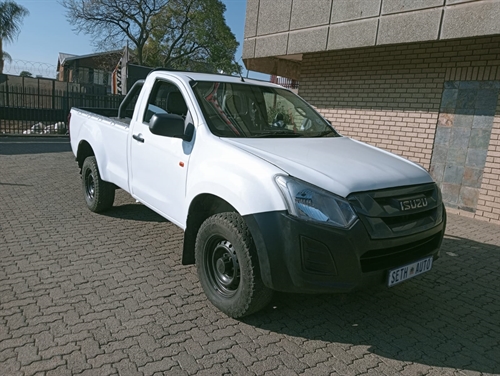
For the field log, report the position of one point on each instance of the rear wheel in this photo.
(99, 194)
(228, 267)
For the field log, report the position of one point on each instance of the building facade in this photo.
(420, 78)
(92, 72)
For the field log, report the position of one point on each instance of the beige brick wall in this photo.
(390, 97)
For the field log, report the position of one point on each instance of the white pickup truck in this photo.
(269, 195)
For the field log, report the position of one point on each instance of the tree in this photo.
(175, 33)
(25, 74)
(192, 34)
(11, 17)
(110, 22)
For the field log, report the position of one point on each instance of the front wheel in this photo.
(99, 194)
(228, 268)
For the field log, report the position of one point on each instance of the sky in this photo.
(46, 32)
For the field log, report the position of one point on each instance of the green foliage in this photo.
(111, 23)
(25, 74)
(181, 34)
(11, 18)
(192, 35)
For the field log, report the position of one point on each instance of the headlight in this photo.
(312, 203)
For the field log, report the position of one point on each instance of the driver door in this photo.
(159, 164)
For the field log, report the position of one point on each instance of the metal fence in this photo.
(41, 106)
(285, 82)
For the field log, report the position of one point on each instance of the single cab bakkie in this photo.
(269, 195)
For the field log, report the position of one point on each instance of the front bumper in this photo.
(307, 257)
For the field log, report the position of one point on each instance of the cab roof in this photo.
(195, 76)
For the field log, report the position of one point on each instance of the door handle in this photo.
(138, 137)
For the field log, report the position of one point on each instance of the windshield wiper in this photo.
(326, 133)
(283, 133)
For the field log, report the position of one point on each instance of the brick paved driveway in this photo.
(82, 293)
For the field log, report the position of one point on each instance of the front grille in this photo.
(380, 259)
(402, 222)
(398, 212)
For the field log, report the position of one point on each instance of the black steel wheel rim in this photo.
(222, 267)
(89, 185)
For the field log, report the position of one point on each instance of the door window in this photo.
(165, 98)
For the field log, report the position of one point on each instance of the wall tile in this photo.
(449, 99)
(453, 174)
(268, 22)
(305, 14)
(486, 98)
(251, 18)
(479, 139)
(456, 156)
(345, 10)
(466, 99)
(439, 155)
(443, 136)
(472, 177)
(437, 171)
(450, 193)
(460, 138)
(408, 27)
(249, 49)
(395, 6)
(308, 40)
(274, 45)
(482, 121)
(451, 84)
(476, 158)
(471, 19)
(446, 119)
(463, 121)
(353, 34)
(463, 140)
(468, 199)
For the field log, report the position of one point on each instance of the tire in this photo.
(99, 195)
(228, 268)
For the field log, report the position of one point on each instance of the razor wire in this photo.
(36, 68)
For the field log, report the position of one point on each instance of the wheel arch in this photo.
(84, 151)
(202, 207)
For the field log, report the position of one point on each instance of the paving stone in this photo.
(43, 366)
(59, 350)
(105, 294)
(76, 362)
(27, 354)
(108, 358)
(126, 368)
(59, 371)
(163, 365)
(12, 367)
(187, 363)
(106, 370)
(138, 356)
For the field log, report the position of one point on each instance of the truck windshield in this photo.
(246, 110)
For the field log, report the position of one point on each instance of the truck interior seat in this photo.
(176, 104)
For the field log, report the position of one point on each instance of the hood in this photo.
(339, 164)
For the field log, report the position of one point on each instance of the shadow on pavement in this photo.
(449, 317)
(33, 145)
(134, 212)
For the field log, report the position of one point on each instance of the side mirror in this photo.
(170, 125)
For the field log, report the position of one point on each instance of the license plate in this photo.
(406, 272)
